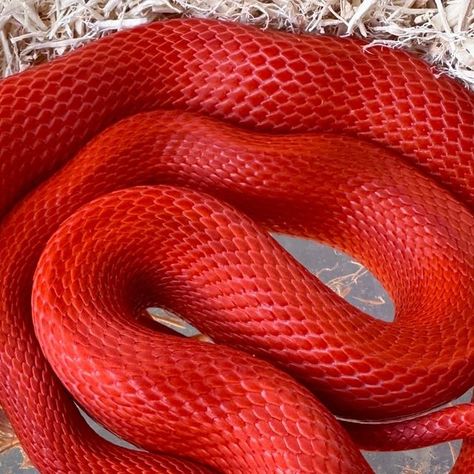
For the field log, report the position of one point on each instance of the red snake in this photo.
(147, 168)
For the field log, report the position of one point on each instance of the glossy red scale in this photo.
(112, 203)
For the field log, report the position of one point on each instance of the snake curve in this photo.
(147, 168)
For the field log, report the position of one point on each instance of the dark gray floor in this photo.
(357, 285)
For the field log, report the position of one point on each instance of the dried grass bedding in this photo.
(32, 31)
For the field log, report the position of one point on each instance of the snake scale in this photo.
(148, 168)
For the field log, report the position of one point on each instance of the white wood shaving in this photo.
(33, 31)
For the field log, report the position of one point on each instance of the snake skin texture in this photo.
(148, 168)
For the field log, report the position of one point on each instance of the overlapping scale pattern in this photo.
(363, 149)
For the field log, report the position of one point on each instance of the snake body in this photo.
(147, 168)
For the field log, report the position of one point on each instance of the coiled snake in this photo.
(147, 168)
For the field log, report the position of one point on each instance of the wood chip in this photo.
(34, 30)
